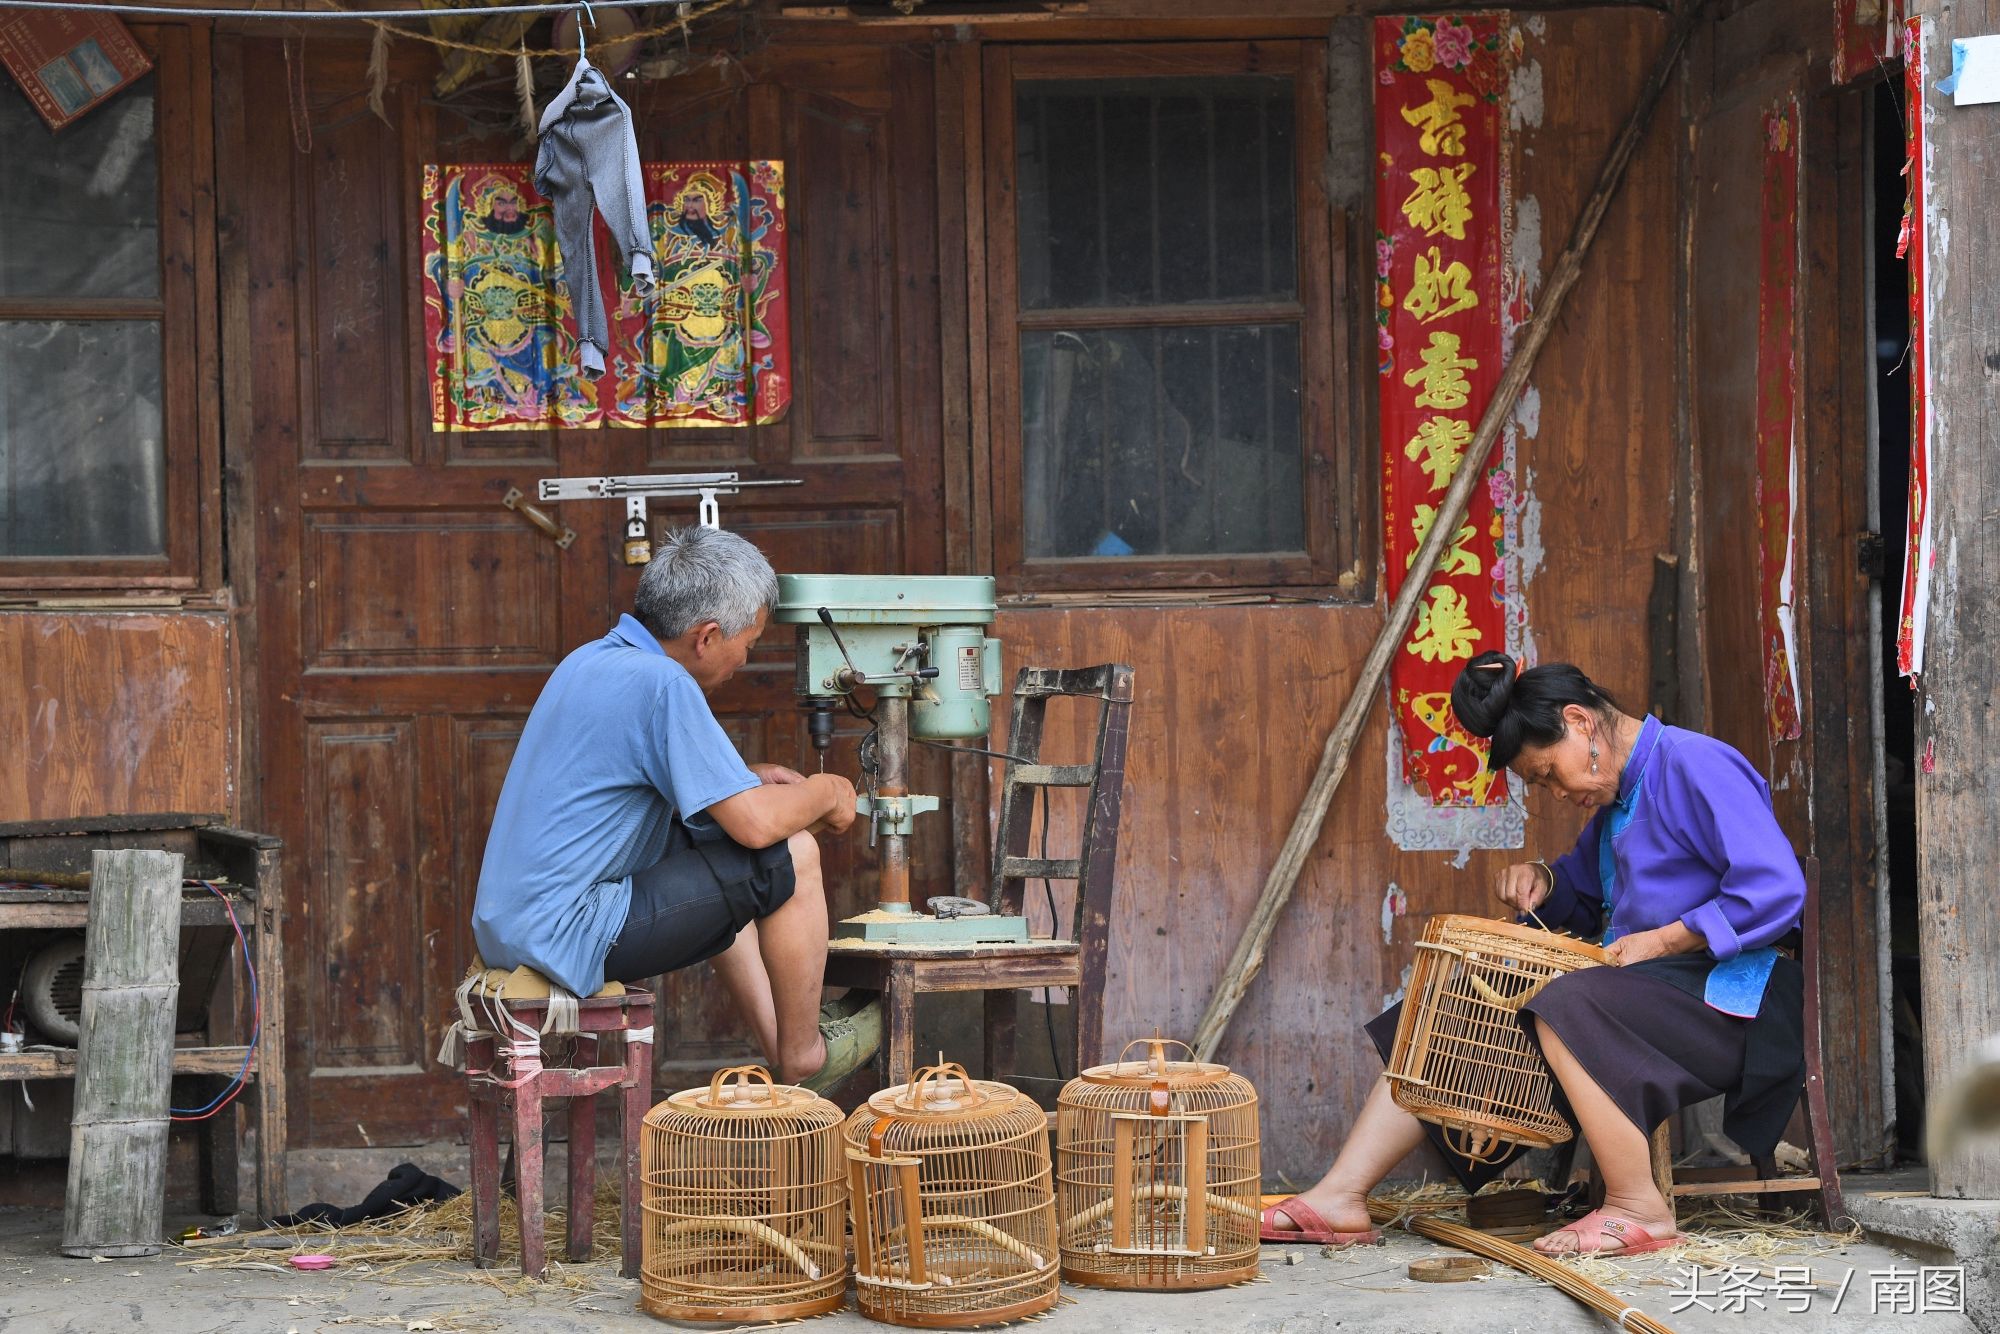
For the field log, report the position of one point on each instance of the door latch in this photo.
(539, 517)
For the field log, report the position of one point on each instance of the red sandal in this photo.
(1632, 1239)
(1311, 1229)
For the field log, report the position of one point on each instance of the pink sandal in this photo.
(1632, 1239)
(1311, 1229)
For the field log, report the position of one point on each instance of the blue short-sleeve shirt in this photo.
(620, 739)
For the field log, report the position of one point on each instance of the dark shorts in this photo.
(689, 905)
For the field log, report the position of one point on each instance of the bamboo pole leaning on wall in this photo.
(1248, 959)
(116, 1199)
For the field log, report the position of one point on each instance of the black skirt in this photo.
(1649, 1040)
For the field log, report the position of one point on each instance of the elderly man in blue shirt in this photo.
(631, 839)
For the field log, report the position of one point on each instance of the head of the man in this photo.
(706, 597)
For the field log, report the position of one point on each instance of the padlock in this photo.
(638, 545)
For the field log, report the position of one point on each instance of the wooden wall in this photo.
(107, 713)
(1233, 703)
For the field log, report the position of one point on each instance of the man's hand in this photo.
(840, 798)
(777, 773)
(1524, 886)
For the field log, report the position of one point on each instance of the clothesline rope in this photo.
(246, 12)
(379, 18)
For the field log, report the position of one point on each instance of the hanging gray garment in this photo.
(589, 158)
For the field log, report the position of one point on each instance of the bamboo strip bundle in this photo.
(1623, 1314)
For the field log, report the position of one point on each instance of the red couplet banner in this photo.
(1777, 418)
(1438, 84)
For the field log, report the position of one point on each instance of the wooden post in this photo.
(118, 1133)
(1958, 803)
(1362, 700)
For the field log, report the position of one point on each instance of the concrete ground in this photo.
(1302, 1292)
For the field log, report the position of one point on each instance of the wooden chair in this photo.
(1761, 1177)
(903, 972)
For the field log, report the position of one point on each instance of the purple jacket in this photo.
(1702, 847)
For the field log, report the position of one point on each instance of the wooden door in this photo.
(402, 621)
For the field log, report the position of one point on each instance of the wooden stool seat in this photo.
(505, 1075)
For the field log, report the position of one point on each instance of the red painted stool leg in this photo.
(485, 1181)
(528, 1177)
(582, 1173)
(638, 1092)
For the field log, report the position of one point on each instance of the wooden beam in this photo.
(1248, 959)
(1958, 803)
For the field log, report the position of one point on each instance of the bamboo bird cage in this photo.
(745, 1200)
(1461, 1059)
(954, 1213)
(1157, 1173)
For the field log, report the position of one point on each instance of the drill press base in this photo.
(881, 928)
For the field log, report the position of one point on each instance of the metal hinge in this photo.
(1871, 557)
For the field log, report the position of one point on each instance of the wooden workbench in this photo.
(245, 867)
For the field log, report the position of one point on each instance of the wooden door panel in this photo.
(838, 172)
(363, 906)
(351, 295)
(489, 595)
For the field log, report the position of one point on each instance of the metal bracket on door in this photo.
(535, 514)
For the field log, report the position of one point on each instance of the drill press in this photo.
(917, 646)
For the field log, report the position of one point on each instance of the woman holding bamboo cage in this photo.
(1694, 891)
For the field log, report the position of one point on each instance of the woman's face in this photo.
(1564, 768)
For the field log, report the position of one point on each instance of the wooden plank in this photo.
(1838, 445)
(1054, 775)
(1958, 804)
(143, 722)
(62, 1063)
(1763, 1186)
(1001, 974)
(106, 824)
(74, 916)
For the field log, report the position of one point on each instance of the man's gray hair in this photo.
(704, 574)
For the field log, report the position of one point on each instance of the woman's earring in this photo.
(1593, 758)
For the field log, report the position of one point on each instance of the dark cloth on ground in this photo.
(406, 1186)
(690, 905)
(1647, 1038)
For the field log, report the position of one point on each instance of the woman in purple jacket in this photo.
(1685, 876)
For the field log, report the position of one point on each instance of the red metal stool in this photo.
(505, 1076)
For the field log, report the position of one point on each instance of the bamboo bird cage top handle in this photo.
(744, 1090)
(754, 1093)
(1156, 1072)
(931, 1090)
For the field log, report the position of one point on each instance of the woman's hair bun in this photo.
(1483, 691)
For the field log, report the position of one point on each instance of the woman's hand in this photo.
(1673, 938)
(1524, 886)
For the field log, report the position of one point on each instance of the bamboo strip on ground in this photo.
(1622, 1313)
(1248, 958)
